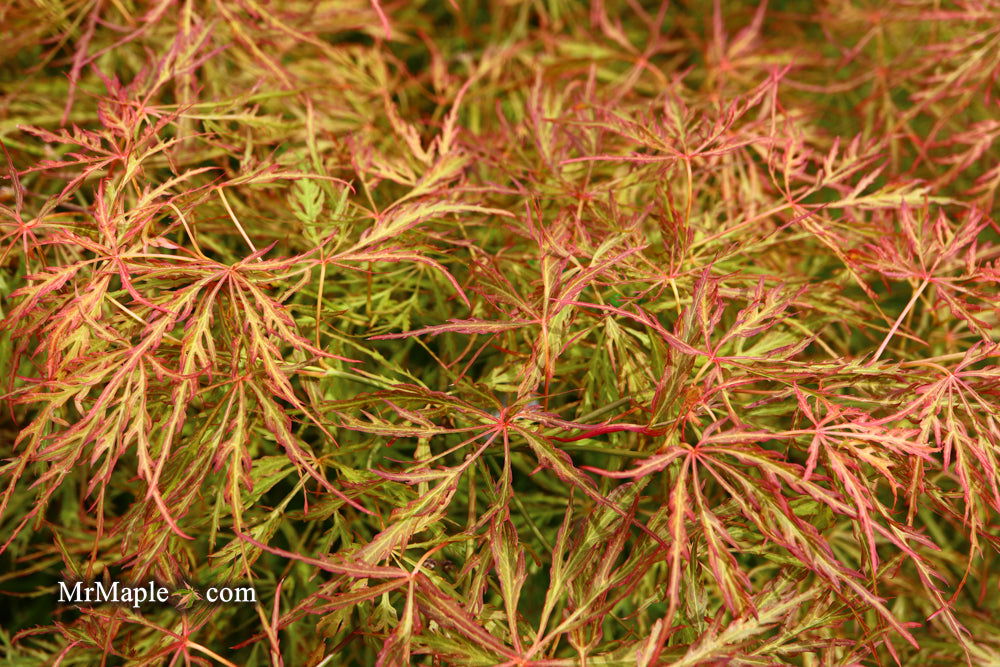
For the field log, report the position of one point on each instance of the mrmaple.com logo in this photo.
(115, 592)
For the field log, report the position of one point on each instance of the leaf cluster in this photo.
(519, 333)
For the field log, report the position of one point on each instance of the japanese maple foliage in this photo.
(502, 333)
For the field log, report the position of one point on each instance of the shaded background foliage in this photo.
(538, 332)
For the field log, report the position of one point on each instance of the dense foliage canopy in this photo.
(521, 332)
